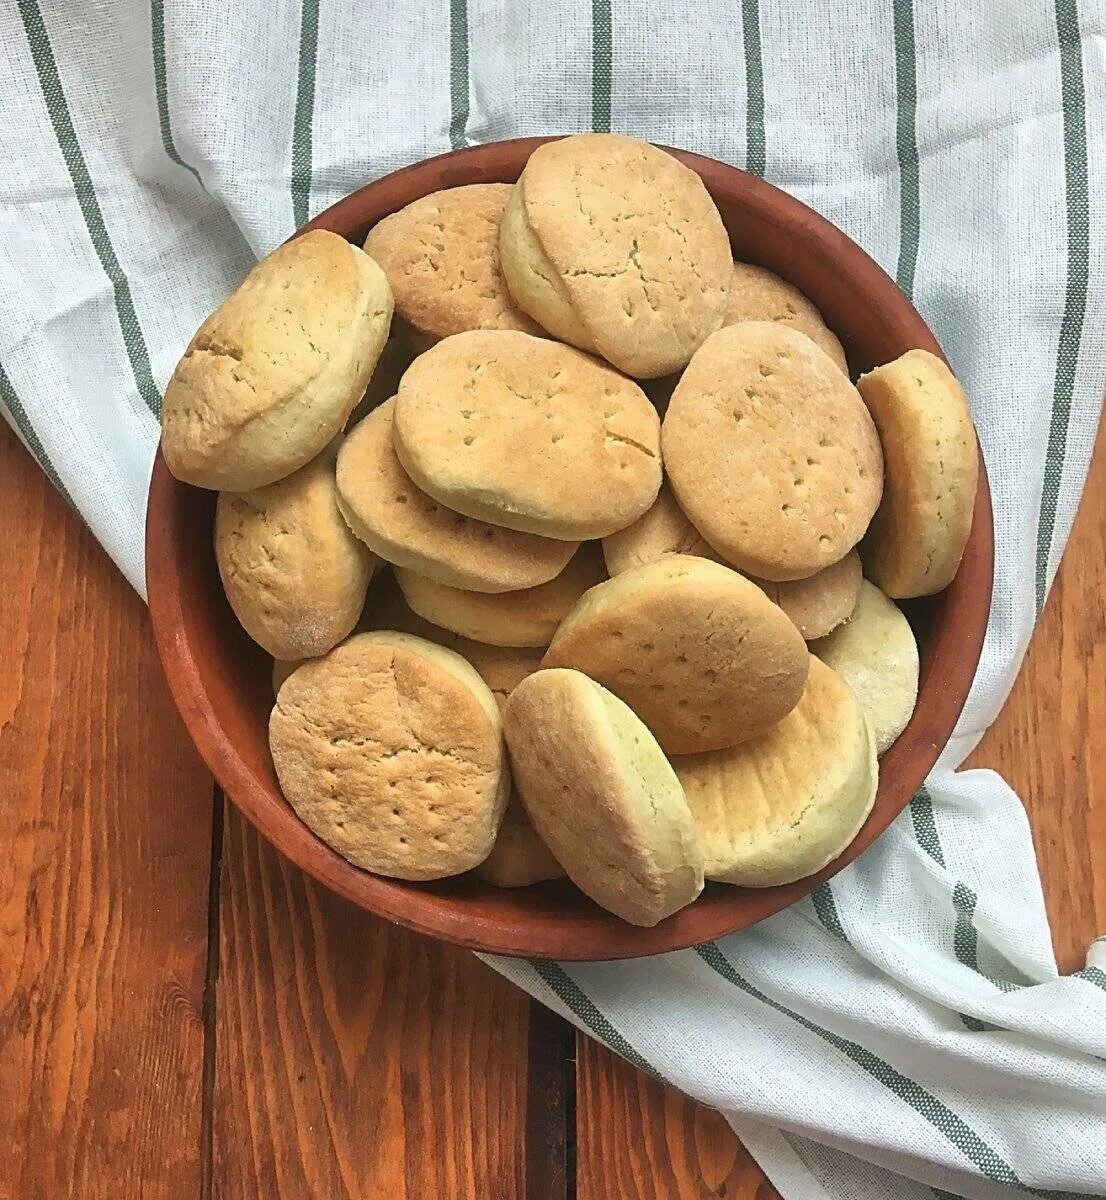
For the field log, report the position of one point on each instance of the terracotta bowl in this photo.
(221, 681)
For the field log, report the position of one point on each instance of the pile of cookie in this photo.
(521, 624)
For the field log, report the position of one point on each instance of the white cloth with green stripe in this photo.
(904, 1033)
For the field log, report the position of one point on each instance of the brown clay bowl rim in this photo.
(958, 627)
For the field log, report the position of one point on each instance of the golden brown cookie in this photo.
(919, 533)
(771, 452)
(390, 749)
(441, 256)
(877, 656)
(659, 532)
(403, 525)
(602, 796)
(784, 805)
(697, 651)
(272, 375)
(617, 247)
(394, 359)
(526, 433)
(526, 618)
(820, 602)
(293, 573)
(758, 295)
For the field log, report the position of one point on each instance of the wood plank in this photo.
(637, 1138)
(354, 1059)
(106, 816)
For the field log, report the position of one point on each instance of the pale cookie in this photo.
(394, 359)
(876, 654)
(919, 533)
(617, 247)
(771, 452)
(390, 749)
(526, 433)
(273, 374)
(293, 573)
(758, 295)
(602, 796)
(441, 256)
(820, 602)
(403, 525)
(659, 532)
(786, 804)
(697, 651)
(526, 618)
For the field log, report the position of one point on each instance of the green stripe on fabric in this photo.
(9, 397)
(53, 94)
(161, 88)
(601, 46)
(951, 1126)
(755, 146)
(1092, 975)
(1078, 272)
(906, 143)
(304, 118)
(825, 906)
(574, 998)
(458, 72)
(925, 827)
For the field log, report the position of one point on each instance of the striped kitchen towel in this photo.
(904, 1034)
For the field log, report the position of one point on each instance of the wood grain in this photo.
(637, 1138)
(105, 812)
(355, 1059)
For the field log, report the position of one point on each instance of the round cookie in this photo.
(441, 256)
(405, 526)
(758, 295)
(616, 247)
(771, 452)
(820, 602)
(390, 749)
(786, 804)
(876, 654)
(394, 359)
(526, 618)
(602, 796)
(273, 374)
(697, 651)
(526, 433)
(918, 535)
(657, 533)
(293, 573)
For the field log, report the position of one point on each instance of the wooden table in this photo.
(184, 1014)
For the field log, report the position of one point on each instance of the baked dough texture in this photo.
(390, 749)
(660, 531)
(526, 433)
(403, 525)
(917, 538)
(771, 452)
(819, 603)
(293, 573)
(273, 374)
(602, 796)
(702, 656)
(616, 247)
(786, 804)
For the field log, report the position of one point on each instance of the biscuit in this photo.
(617, 247)
(758, 295)
(526, 618)
(820, 602)
(697, 651)
(293, 573)
(877, 656)
(771, 452)
(273, 374)
(786, 804)
(526, 433)
(390, 749)
(441, 256)
(660, 531)
(918, 535)
(602, 796)
(394, 359)
(405, 526)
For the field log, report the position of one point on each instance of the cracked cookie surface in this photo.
(529, 434)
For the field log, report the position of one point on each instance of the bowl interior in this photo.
(221, 680)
